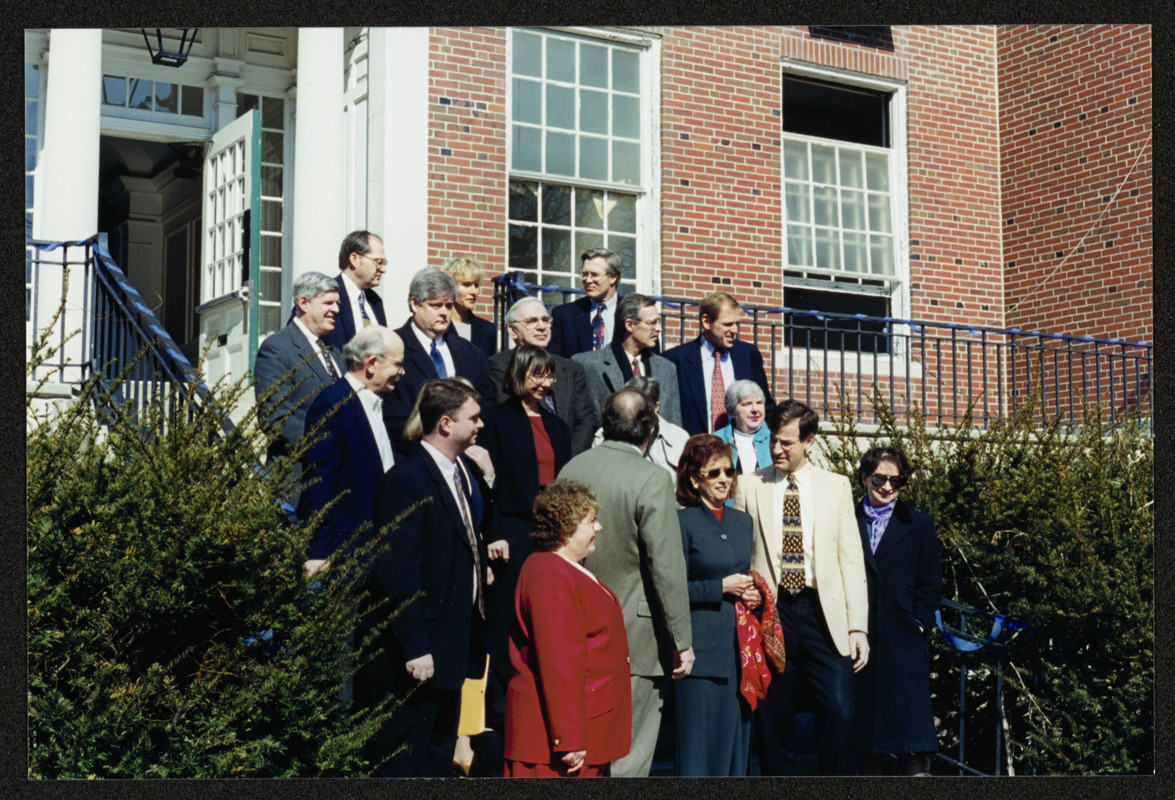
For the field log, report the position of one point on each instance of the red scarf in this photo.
(756, 638)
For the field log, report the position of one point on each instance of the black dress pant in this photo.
(812, 657)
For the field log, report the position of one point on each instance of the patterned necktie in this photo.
(363, 310)
(330, 362)
(598, 328)
(437, 361)
(463, 501)
(636, 367)
(791, 576)
(717, 393)
(549, 401)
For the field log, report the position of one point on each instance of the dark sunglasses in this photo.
(879, 480)
(714, 473)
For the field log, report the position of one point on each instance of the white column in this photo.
(67, 173)
(397, 156)
(319, 152)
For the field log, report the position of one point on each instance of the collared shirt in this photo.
(803, 477)
(373, 407)
(353, 293)
(442, 348)
(727, 367)
(310, 337)
(447, 468)
(748, 457)
(609, 317)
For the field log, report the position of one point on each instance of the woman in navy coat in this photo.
(713, 720)
(893, 713)
(528, 446)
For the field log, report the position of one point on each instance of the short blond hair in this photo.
(464, 270)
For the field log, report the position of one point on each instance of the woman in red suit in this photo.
(569, 704)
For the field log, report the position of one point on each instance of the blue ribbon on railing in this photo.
(999, 624)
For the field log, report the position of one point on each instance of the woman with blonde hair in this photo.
(481, 333)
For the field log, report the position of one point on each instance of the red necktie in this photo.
(717, 393)
(636, 367)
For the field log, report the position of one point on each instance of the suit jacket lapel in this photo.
(611, 372)
(356, 407)
(305, 351)
(694, 378)
(419, 356)
(564, 402)
(446, 496)
(765, 500)
(895, 531)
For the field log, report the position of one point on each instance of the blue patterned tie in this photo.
(437, 361)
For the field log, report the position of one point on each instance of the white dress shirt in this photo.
(442, 348)
(373, 406)
(459, 497)
(353, 293)
(727, 368)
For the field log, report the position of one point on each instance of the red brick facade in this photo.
(1075, 139)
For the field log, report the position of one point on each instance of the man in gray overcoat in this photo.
(639, 557)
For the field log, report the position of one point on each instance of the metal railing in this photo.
(103, 329)
(946, 371)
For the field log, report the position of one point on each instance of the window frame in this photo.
(647, 191)
(899, 293)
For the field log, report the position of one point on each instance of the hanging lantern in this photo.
(169, 58)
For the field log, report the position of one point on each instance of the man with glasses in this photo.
(362, 264)
(586, 324)
(806, 543)
(630, 354)
(528, 322)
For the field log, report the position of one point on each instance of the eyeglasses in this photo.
(879, 480)
(382, 263)
(534, 322)
(714, 473)
(540, 379)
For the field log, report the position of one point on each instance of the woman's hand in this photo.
(574, 760)
(751, 598)
(737, 584)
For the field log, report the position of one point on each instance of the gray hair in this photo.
(646, 386)
(512, 314)
(430, 283)
(370, 341)
(613, 264)
(741, 390)
(312, 284)
(629, 308)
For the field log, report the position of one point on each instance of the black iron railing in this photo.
(946, 371)
(104, 328)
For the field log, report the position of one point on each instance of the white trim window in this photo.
(32, 140)
(843, 207)
(273, 122)
(580, 154)
(145, 99)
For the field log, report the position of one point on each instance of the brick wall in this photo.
(1075, 120)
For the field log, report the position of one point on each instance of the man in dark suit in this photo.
(362, 264)
(587, 323)
(353, 450)
(430, 354)
(702, 387)
(528, 322)
(639, 557)
(293, 365)
(638, 327)
(439, 639)
(806, 543)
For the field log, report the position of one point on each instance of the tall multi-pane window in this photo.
(841, 252)
(577, 153)
(269, 295)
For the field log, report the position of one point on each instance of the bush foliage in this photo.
(171, 630)
(1055, 528)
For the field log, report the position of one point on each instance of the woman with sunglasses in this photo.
(713, 721)
(893, 713)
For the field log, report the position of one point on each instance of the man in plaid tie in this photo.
(807, 544)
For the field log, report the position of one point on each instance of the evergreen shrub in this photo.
(1056, 528)
(172, 632)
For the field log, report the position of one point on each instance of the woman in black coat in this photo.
(893, 713)
(528, 446)
(713, 720)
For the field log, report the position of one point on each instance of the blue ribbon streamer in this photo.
(999, 623)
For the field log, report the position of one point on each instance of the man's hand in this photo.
(683, 662)
(421, 668)
(499, 549)
(314, 565)
(480, 456)
(574, 760)
(858, 650)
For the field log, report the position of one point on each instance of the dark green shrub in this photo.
(171, 630)
(1055, 528)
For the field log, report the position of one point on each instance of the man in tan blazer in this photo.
(821, 597)
(639, 557)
